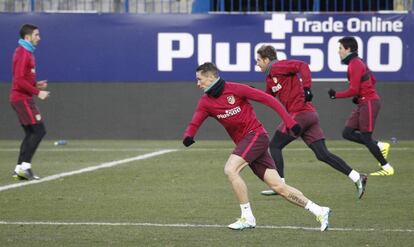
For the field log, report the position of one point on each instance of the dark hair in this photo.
(27, 29)
(267, 51)
(349, 42)
(208, 67)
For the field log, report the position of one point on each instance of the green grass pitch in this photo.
(183, 198)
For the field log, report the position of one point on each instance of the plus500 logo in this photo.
(173, 46)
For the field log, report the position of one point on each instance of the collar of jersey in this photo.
(212, 84)
(215, 88)
(269, 66)
(27, 45)
(349, 57)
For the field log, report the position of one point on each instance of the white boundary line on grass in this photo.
(87, 169)
(196, 226)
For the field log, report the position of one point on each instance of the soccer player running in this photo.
(282, 81)
(361, 122)
(24, 87)
(228, 103)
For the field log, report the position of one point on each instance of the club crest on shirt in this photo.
(231, 99)
(274, 79)
(33, 70)
(38, 117)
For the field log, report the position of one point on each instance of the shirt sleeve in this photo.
(288, 67)
(355, 74)
(20, 77)
(268, 89)
(199, 116)
(266, 99)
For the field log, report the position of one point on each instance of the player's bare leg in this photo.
(273, 180)
(291, 194)
(232, 169)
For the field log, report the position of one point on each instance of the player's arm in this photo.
(41, 85)
(262, 97)
(306, 77)
(303, 69)
(197, 120)
(355, 73)
(290, 67)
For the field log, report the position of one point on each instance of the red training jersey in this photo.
(24, 75)
(283, 82)
(233, 110)
(361, 82)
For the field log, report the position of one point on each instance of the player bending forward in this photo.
(228, 103)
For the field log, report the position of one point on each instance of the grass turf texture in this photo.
(188, 187)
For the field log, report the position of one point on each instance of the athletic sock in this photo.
(354, 176)
(386, 166)
(314, 208)
(380, 144)
(26, 166)
(17, 168)
(246, 212)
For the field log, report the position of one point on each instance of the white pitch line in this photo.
(184, 225)
(87, 169)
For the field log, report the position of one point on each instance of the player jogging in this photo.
(361, 123)
(228, 103)
(282, 81)
(24, 87)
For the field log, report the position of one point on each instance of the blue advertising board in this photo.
(168, 47)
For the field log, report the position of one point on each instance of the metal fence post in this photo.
(222, 8)
(126, 6)
(32, 5)
(316, 5)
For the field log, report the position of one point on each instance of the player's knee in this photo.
(39, 130)
(322, 156)
(40, 133)
(229, 171)
(347, 133)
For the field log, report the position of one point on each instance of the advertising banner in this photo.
(168, 47)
